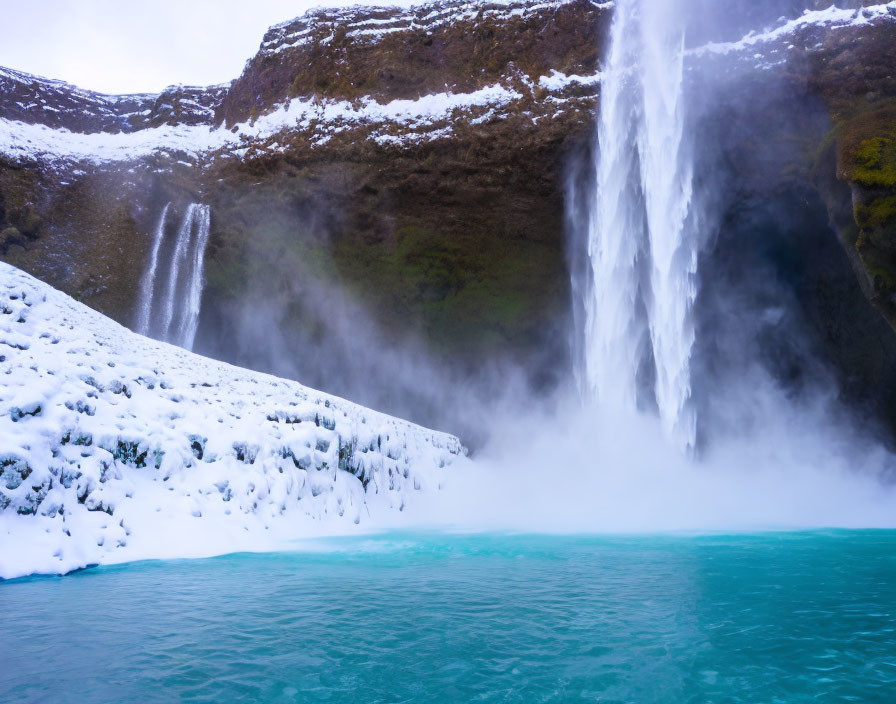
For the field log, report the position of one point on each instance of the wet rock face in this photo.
(856, 77)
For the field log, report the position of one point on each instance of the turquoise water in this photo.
(768, 618)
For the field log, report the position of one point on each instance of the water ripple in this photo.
(776, 618)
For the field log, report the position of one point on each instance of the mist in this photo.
(309, 327)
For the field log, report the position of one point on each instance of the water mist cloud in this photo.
(786, 467)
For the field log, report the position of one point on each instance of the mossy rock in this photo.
(877, 213)
(875, 163)
(866, 145)
(10, 236)
(879, 262)
(468, 292)
(866, 157)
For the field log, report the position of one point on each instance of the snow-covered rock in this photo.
(116, 447)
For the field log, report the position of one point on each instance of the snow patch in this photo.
(559, 81)
(833, 18)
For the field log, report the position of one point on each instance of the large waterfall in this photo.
(642, 250)
(168, 306)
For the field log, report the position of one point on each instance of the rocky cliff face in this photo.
(411, 164)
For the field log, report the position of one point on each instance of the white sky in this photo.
(133, 46)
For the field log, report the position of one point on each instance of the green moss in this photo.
(883, 278)
(467, 292)
(875, 163)
(819, 152)
(879, 212)
(866, 156)
(427, 248)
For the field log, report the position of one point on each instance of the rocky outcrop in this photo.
(856, 77)
(388, 54)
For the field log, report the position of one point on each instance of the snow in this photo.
(19, 140)
(558, 81)
(832, 17)
(116, 447)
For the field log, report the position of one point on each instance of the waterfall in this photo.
(190, 319)
(169, 310)
(641, 242)
(147, 284)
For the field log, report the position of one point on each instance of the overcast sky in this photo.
(128, 46)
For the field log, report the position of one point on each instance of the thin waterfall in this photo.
(190, 318)
(147, 284)
(184, 236)
(169, 310)
(641, 244)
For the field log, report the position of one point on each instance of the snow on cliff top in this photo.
(832, 18)
(319, 118)
(116, 447)
(425, 118)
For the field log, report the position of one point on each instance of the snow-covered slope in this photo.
(116, 447)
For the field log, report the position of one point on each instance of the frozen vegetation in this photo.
(116, 447)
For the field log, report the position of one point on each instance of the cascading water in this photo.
(148, 282)
(641, 241)
(190, 319)
(169, 309)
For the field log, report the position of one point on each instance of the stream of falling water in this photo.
(169, 309)
(641, 241)
(147, 284)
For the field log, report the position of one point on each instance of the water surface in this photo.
(765, 618)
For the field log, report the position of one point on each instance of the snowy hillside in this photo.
(116, 447)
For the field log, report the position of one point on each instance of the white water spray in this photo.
(641, 240)
(177, 304)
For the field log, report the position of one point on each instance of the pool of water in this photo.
(432, 618)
